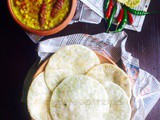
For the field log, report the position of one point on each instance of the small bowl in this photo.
(51, 31)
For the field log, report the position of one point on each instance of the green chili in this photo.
(138, 12)
(123, 23)
(106, 3)
(109, 21)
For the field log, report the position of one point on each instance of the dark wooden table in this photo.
(18, 53)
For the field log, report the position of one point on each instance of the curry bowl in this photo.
(42, 17)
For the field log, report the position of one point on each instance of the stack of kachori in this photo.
(75, 85)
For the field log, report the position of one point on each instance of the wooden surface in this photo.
(18, 53)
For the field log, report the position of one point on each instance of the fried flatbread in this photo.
(38, 99)
(79, 98)
(69, 61)
(120, 108)
(111, 73)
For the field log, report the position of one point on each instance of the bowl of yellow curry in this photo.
(42, 17)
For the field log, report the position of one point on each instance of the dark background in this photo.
(18, 53)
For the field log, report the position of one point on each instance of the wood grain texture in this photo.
(146, 47)
(18, 53)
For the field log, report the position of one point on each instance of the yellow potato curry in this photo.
(41, 14)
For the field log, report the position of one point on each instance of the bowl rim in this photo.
(45, 32)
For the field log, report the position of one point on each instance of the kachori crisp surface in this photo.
(69, 61)
(111, 73)
(120, 108)
(79, 98)
(38, 99)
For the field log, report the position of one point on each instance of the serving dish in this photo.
(45, 32)
(78, 70)
(102, 58)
